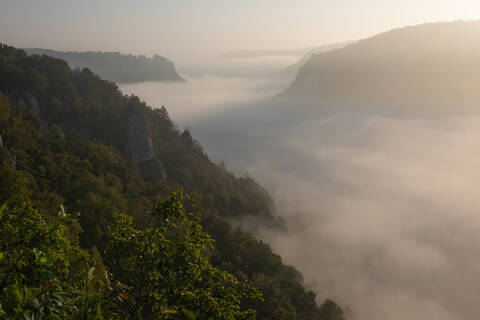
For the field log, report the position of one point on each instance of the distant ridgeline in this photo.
(117, 67)
(73, 143)
(432, 66)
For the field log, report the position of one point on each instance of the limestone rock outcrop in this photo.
(28, 101)
(139, 147)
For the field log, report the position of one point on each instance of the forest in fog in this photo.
(247, 160)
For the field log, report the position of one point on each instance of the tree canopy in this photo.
(65, 148)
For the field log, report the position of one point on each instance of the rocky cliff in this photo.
(28, 101)
(139, 147)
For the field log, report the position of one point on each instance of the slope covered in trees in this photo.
(117, 67)
(73, 143)
(291, 71)
(429, 65)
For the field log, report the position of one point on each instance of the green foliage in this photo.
(69, 152)
(55, 168)
(41, 273)
(166, 271)
(281, 286)
(161, 272)
(13, 185)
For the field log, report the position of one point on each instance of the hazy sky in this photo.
(182, 28)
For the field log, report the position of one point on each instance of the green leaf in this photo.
(188, 314)
(169, 311)
(2, 209)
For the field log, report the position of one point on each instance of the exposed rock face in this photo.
(7, 156)
(153, 170)
(28, 101)
(139, 146)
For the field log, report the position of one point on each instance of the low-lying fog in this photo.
(214, 84)
(383, 209)
(202, 95)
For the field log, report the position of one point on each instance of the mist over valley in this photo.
(379, 198)
(248, 160)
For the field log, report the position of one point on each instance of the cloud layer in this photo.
(381, 204)
(382, 209)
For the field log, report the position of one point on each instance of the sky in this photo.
(189, 28)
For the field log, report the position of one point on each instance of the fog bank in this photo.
(201, 96)
(215, 84)
(381, 204)
(382, 210)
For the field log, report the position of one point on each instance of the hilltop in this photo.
(117, 67)
(429, 65)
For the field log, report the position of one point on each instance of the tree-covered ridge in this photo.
(117, 67)
(427, 66)
(83, 104)
(66, 147)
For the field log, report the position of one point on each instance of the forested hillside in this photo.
(426, 66)
(117, 67)
(92, 222)
(291, 71)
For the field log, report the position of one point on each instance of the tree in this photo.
(166, 271)
(42, 275)
(330, 310)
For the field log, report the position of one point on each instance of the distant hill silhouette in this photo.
(425, 65)
(292, 70)
(117, 67)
